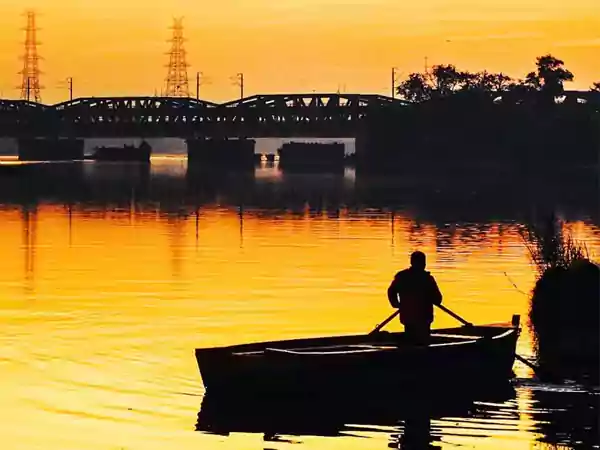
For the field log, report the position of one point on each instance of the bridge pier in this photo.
(384, 149)
(223, 153)
(50, 149)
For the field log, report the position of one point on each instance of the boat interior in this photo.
(380, 342)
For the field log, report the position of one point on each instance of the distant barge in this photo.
(124, 153)
(312, 156)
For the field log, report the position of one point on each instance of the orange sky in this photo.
(117, 47)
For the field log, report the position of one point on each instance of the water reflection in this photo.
(168, 184)
(29, 221)
(418, 417)
(176, 234)
(567, 415)
(133, 266)
(563, 416)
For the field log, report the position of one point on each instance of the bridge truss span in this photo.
(274, 115)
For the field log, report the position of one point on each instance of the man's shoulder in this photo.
(403, 273)
(411, 273)
(429, 276)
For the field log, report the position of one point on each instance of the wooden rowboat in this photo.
(368, 361)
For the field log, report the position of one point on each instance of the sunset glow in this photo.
(118, 48)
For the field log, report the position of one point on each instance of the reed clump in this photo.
(565, 302)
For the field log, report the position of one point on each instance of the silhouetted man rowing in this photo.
(418, 292)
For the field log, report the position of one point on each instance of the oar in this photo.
(385, 322)
(456, 316)
(533, 367)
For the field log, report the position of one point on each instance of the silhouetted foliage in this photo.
(484, 119)
(550, 247)
(415, 88)
(445, 80)
(488, 82)
(565, 307)
(595, 87)
(549, 78)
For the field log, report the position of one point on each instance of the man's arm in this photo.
(436, 295)
(392, 293)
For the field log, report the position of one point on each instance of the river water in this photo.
(112, 274)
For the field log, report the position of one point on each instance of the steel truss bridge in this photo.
(281, 115)
(274, 115)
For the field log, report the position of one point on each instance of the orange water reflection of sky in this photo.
(117, 48)
(102, 310)
(350, 260)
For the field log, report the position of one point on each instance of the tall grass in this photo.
(551, 247)
(564, 311)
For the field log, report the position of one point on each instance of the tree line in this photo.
(544, 84)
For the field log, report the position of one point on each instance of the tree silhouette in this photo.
(532, 82)
(445, 80)
(550, 76)
(415, 88)
(595, 87)
(485, 85)
(493, 82)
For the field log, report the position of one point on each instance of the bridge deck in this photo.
(272, 115)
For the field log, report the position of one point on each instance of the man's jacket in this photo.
(418, 292)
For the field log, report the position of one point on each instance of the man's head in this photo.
(418, 260)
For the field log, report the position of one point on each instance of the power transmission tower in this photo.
(30, 85)
(177, 78)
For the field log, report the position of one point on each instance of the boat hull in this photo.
(364, 362)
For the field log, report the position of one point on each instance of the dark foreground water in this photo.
(112, 274)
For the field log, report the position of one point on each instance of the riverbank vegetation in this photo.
(565, 302)
(544, 85)
(481, 120)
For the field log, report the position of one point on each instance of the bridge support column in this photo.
(381, 150)
(50, 149)
(222, 153)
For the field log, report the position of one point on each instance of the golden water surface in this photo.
(108, 285)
